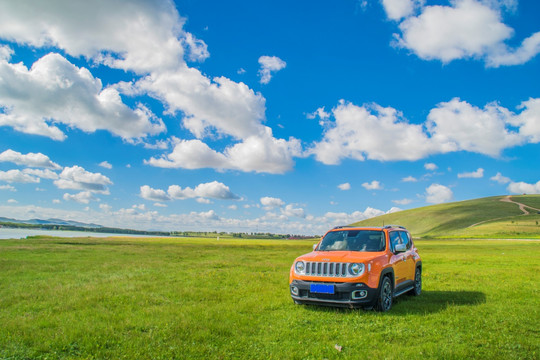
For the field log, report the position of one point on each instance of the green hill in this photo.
(491, 217)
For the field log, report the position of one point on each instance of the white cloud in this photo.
(291, 211)
(398, 9)
(500, 178)
(257, 153)
(7, 187)
(158, 204)
(105, 164)
(77, 178)
(524, 188)
(17, 176)
(213, 190)
(271, 202)
(356, 134)
(344, 187)
(450, 127)
(233, 207)
(319, 113)
(12, 201)
(84, 197)
(409, 179)
(461, 126)
(436, 194)
(479, 173)
(44, 174)
(466, 29)
(30, 159)
(198, 50)
(106, 33)
(153, 194)
(269, 66)
(153, 49)
(374, 185)
(402, 201)
(105, 207)
(430, 166)
(64, 93)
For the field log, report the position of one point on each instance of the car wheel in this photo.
(298, 302)
(417, 282)
(384, 301)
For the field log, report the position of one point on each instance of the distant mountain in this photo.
(51, 222)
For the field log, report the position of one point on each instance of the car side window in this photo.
(394, 240)
(406, 239)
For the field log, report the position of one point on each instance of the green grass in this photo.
(208, 299)
(458, 219)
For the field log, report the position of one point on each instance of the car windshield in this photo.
(353, 240)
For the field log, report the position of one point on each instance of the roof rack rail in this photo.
(394, 226)
(339, 227)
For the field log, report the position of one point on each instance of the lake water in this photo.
(23, 233)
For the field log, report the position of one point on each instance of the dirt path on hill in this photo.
(508, 198)
(522, 207)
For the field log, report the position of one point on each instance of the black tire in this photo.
(385, 298)
(298, 302)
(417, 282)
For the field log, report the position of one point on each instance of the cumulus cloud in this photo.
(77, 178)
(430, 166)
(63, 93)
(17, 176)
(155, 49)
(271, 202)
(479, 173)
(524, 188)
(84, 197)
(212, 190)
(398, 9)
(105, 164)
(409, 179)
(30, 159)
(437, 194)
(269, 66)
(450, 127)
(500, 178)
(356, 135)
(44, 174)
(374, 185)
(344, 187)
(153, 194)
(465, 29)
(402, 201)
(7, 187)
(259, 153)
(202, 193)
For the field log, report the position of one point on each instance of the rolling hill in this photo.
(491, 217)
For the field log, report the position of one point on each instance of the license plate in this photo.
(321, 288)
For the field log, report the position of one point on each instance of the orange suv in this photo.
(358, 267)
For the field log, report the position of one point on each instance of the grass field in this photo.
(229, 299)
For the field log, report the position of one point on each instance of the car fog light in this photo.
(359, 294)
(294, 290)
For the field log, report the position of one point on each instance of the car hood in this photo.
(339, 256)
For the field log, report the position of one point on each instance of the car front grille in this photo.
(330, 269)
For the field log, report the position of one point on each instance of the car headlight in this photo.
(356, 269)
(299, 267)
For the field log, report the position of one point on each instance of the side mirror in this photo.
(400, 248)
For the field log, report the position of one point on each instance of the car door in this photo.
(398, 260)
(409, 265)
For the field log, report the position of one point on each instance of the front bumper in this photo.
(345, 294)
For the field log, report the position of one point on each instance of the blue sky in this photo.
(264, 116)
